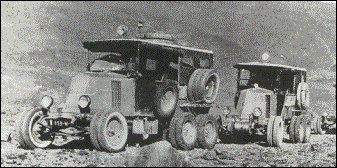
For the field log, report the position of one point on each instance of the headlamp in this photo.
(46, 101)
(265, 57)
(257, 112)
(84, 101)
(226, 111)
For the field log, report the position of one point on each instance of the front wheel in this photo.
(33, 131)
(112, 132)
(275, 131)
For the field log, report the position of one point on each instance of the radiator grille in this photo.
(116, 94)
(267, 106)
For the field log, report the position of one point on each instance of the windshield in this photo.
(264, 79)
(111, 62)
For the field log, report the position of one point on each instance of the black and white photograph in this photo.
(168, 83)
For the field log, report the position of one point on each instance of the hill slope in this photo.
(49, 35)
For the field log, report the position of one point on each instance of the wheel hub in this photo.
(114, 131)
(167, 101)
(209, 132)
(189, 132)
(39, 134)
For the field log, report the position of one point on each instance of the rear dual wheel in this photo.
(186, 133)
(300, 129)
(207, 131)
(317, 125)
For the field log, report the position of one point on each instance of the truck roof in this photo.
(115, 45)
(249, 65)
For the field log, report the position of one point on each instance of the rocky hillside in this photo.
(42, 41)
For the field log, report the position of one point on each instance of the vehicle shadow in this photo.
(74, 144)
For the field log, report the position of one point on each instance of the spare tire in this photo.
(166, 98)
(203, 86)
(303, 98)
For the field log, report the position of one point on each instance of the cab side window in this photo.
(204, 62)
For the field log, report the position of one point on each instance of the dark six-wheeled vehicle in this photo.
(270, 99)
(143, 86)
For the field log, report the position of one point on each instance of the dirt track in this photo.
(320, 152)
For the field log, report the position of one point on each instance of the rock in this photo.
(313, 147)
(10, 161)
(225, 156)
(6, 135)
(83, 152)
(91, 165)
(159, 154)
(11, 156)
(217, 151)
(22, 157)
(210, 155)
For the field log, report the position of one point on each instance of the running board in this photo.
(196, 105)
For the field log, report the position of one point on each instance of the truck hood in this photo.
(252, 98)
(98, 86)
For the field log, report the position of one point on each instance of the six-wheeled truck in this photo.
(144, 86)
(270, 99)
(151, 86)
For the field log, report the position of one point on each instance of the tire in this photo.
(270, 130)
(19, 135)
(292, 129)
(302, 96)
(307, 129)
(27, 137)
(298, 95)
(93, 130)
(112, 126)
(172, 132)
(278, 131)
(313, 122)
(207, 131)
(319, 126)
(299, 129)
(166, 98)
(305, 96)
(186, 131)
(314, 127)
(199, 90)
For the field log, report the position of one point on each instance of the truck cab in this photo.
(141, 86)
(268, 100)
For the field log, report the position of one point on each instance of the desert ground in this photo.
(321, 151)
(41, 50)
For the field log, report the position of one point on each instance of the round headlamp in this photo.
(226, 111)
(257, 112)
(46, 101)
(265, 57)
(84, 101)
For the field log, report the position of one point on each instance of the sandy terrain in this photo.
(321, 151)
